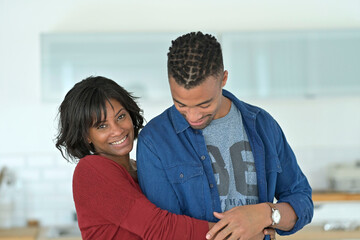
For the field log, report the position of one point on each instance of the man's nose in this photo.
(193, 115)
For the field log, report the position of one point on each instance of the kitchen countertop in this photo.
(318, 233)
(60, 233)
(24, 233)
(335, 196)
(38, 233)
(310, 232)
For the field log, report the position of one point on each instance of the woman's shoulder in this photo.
(100, 165)
(97, 160)
(103, 172)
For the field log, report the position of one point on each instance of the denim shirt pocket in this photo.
(182, 173)
(188, 183)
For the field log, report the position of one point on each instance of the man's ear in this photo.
(224, 79)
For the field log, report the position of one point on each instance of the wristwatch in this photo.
(275, 214)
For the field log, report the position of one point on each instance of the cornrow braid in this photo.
(193, 57)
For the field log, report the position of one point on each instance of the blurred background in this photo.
(299, 60)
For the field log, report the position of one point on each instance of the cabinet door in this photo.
(137, 61)
(334, 63)
(288, 64)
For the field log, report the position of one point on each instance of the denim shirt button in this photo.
(181, 175)
(211, 185)
(203, 157)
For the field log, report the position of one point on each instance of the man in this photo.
(211, 153)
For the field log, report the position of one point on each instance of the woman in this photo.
(99, 121)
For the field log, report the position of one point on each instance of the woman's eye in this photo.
(121, 116)
(101, 126)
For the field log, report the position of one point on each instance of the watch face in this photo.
(276, 216)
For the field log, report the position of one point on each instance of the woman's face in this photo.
(113, 138)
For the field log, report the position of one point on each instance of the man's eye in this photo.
(205, 106)
(181, 105)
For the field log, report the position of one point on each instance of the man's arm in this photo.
(292, 186)
(250, 220)
(288, 217)
(153, 179)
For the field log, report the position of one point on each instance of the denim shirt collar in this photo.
(247, 111)
(178, 120)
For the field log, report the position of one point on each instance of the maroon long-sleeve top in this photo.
(110, 205)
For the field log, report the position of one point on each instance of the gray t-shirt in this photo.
(232, 160)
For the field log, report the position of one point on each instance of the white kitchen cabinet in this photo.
(268, 64)
(293, 63)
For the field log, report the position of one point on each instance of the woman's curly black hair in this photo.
(193, 57)
(83, 106)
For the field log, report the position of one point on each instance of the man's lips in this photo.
(197, 123)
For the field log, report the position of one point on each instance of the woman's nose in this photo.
(116, 129)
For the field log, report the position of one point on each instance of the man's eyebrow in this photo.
(178, 101)
(205, 102)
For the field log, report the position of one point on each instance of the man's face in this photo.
(201, 104)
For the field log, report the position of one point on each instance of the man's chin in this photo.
(197, 127)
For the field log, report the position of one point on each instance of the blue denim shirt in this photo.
(175, 171)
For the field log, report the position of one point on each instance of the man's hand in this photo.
(271, 232)
(266, 231)
(241, 223)
(260, 236)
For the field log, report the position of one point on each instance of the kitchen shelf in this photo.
(335, 196)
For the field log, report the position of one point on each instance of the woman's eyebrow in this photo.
(119, 112)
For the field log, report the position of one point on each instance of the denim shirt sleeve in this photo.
(153, 179)
(291, 185)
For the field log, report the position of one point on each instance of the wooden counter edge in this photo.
(317, 233)
(17, 233)
(335, 196)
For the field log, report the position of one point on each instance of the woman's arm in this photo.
(104, 189)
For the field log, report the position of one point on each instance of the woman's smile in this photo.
(119, 142)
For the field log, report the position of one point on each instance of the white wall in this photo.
(320, 130)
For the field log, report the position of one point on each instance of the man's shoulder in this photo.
(250, 110)
(244, 107)
(261, 115)
(252, 113)
(161, 121)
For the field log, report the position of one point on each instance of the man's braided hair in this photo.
(193, 57)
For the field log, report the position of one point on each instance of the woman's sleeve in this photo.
(103, 187)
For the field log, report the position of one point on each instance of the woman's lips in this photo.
(119, 142)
